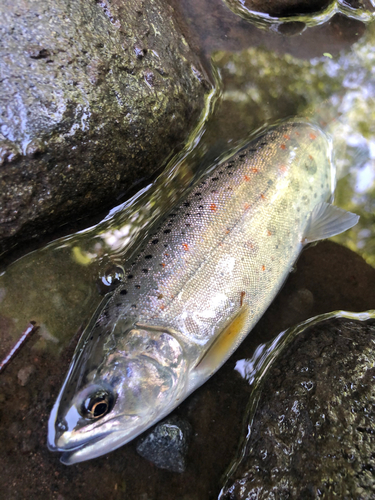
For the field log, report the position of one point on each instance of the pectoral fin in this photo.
(224, 345)
(328, 220)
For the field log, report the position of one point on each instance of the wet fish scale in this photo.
(233, 233)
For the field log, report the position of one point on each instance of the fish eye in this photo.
(97, 404)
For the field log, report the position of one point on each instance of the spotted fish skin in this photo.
(233, 240)
(196, 289)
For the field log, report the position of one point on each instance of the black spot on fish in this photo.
(148, 257)
(230, 173)
(187, 225)
(198, 194)
(230, 165)
(200, 206)
(172, 215)
(134, 306)
(187, 204)
(242, 155)
(145, 271)
(169, 225)
(123, 292)
(167, 231)
(215, 178)
(270, 182)
(154, 243)
(165, 244)
(118, 304)
(137, 287)
(130, 276)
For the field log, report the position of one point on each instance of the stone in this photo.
(313, 432)
(166, 445)
(94, 98)
(24, 374)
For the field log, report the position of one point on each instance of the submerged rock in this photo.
(95, 96)
(167, 444)
(313, 433)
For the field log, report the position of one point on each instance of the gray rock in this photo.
(313, 434)
(167, 444)
(94, 97)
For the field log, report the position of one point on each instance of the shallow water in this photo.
(324, 74)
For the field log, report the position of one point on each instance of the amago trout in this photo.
(195, 291)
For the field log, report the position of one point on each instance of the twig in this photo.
(25, 335)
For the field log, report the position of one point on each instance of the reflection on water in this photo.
(57, 286)
(253, 11)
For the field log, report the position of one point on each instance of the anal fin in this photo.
(327, 220)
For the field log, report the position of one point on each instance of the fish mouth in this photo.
(96, 447)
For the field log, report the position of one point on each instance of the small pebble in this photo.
(167, 444)
(24, 374)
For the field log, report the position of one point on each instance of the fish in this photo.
(200, 283)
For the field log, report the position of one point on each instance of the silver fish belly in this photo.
(196, 289)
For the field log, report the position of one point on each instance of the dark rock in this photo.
(313, 433)
(95, 96)
(282, 8)
(167, 444)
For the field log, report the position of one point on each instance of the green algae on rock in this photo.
(94, 98)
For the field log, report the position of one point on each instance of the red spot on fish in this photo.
(227, 231)
(311, 157)
(247, 178)
(162, 264)
(283, 169)
(283, 146)
(269, 233)
(185, 247)
(286, 136)
(246, 206)
(262, 196)
(263, 268)
(242, 297)
(213, 207)
(162, 308)
(254, 170)
(312, 136)
(166, 254)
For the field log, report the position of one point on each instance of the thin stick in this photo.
(26, 334)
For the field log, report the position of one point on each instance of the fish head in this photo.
(115, 390)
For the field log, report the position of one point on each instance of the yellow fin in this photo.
(225, 344)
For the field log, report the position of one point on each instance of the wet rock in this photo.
(24, 374)
(167, 444)
(313, 434)
(94, 97)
